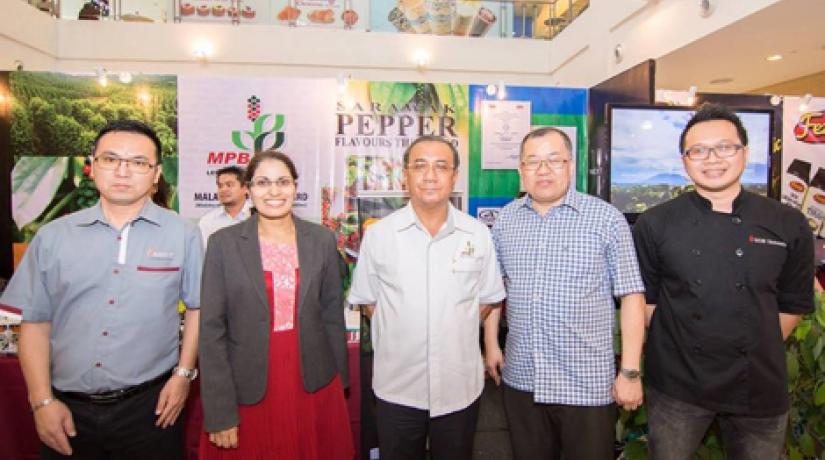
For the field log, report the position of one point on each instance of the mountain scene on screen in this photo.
(646, 164)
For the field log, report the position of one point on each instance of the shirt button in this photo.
(698, 282)
(536, 297)
(696, 316)
(744, 351)
(111, 301)
(740, 286)
(116, 271)
(739, 252)
(98, 364)
(119, 238)
(736, 220)
(105, 333)
(696, 252)
(697, 348)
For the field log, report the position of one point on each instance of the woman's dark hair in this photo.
(270, 155)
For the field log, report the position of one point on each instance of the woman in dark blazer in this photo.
(272, 336)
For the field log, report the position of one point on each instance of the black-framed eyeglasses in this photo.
(702, 152)
(112, 162)
(533, 164)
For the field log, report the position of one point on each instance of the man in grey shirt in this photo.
(98, 290)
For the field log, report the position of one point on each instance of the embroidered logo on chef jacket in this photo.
(758, 240)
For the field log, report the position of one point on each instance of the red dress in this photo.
(288, 423)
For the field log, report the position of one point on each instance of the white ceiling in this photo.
(793, 28)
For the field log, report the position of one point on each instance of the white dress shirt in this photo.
(218, 218)
(427, 292)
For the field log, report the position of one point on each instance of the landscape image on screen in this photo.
(646, 165)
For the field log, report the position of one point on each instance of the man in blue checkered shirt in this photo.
(566, 255)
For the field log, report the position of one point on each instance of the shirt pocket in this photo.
(467, 272)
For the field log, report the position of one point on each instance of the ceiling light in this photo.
(776, 100)
(343, 82)
(202, 50)
(501, 91)
(721, 81)
(806, 102)
(774, 57)
(618, 53)
(706, 8)
(421, 59)
(691, 98)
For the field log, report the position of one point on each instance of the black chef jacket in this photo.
(719, 282)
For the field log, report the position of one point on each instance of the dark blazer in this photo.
(235, 318)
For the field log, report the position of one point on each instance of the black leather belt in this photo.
(111, 397)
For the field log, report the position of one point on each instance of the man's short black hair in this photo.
(544, 131)
(236, 171)
(711, 112)
(130, 126)
(430, 138)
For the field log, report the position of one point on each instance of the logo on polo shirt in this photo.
(759, 240)
(156, 254)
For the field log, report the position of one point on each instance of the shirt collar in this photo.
(409, 218)
(572, 199)
(150, 213)
(705, 204)
(242, 215)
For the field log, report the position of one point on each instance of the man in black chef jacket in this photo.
(727, 275)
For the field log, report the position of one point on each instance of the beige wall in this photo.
(813, 84)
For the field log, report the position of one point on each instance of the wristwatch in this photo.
(189, 374)
(630, 374)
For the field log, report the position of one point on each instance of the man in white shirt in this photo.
(234, 208)
(428, 272)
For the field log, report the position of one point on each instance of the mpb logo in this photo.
(265, 134)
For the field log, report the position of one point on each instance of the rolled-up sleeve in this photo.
(492, 286)
(623, 266)
(27, 290)
(190, 289)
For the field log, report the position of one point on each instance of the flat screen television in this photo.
(646, 165)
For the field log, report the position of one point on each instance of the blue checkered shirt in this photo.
(563, 270)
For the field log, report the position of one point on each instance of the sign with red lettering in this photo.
(225, 121)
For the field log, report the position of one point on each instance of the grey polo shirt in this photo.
(111, 296)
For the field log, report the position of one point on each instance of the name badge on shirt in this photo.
(162, 255)
(468, 257)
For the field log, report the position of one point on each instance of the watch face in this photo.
(631, 373)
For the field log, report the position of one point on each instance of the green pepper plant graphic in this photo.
(260, 133)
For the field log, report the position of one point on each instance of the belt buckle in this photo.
(109, 397)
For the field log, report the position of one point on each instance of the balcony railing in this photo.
(542, 19)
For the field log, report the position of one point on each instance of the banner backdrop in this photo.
(375, 123)
(565, 108)
(225, 120)
(803, 159)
